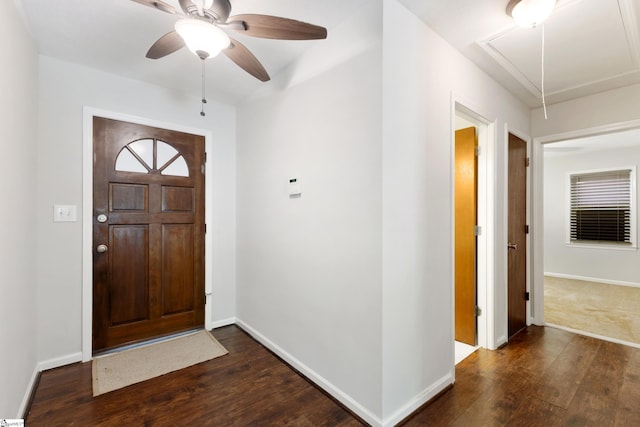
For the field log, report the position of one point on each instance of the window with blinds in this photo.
(601, 207)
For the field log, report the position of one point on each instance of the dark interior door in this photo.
(517, 239)
(148, 232)
(466, 196)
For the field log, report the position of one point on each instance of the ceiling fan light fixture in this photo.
(202, 38)
(530, 13)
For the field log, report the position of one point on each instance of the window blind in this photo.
(601, 206)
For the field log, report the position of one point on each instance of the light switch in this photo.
(64, 213)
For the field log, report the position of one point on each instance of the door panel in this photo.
(128, 267)
(149, 279)
(466, 195)
(176, 199)
(177, 244)
(128, 197)
(517, 247)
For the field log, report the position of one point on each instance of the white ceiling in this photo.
(608, 141)
(590, 45)
(114, 36)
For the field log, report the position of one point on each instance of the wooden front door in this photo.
(466, 195)
(517, 238)
(148, 232)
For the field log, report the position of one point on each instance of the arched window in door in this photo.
(151, 156)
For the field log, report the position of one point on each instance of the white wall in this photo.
(420, 74)
(309, 268)
(602, 109)
(290, 273)
(593, 263)
(18, 82)
(63, 90)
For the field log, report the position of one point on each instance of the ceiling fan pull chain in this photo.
(204, 98)
(544, 103)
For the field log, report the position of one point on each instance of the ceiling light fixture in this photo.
(205, 40)
(202, 38)
(530, 13)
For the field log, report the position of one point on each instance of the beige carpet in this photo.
(117, 370)
(608, 310)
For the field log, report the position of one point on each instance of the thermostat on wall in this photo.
(295, 186)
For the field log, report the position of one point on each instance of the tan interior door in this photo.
(517, 239)
(148, 232)
(466, 194)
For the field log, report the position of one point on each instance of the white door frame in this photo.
(87, 214)
(485, 270)
(538, 202)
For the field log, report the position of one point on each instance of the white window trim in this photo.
(634, 211)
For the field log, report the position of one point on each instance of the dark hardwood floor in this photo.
(247, 387)
(543, 377)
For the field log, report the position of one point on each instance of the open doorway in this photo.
(591, 268)
(475, 300)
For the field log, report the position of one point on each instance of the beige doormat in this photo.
(117, 370)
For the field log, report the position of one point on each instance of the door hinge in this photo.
(477, 151)
(526, 296)
(477, 311)
(526, 229)
(477, 230)
(527, 162)
(205, 229)
(205, 157)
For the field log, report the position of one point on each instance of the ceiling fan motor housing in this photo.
(218, 12)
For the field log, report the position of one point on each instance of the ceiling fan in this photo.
(203, 29)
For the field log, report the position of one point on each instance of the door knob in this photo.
(102, 218)
(512, 246)
(102, 248)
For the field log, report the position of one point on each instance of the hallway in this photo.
(544, 377)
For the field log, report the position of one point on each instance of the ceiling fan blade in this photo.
(238, 53)
(275, 27)
(165, 45)
(158, 4)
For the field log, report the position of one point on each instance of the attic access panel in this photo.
(586, 42)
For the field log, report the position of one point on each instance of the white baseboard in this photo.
(221, 323)
(592, 279)
(27, 395)
(419, 400)
(43, 366)
(323, 383)
(589, 334)
(502, 340)
(59, 361)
